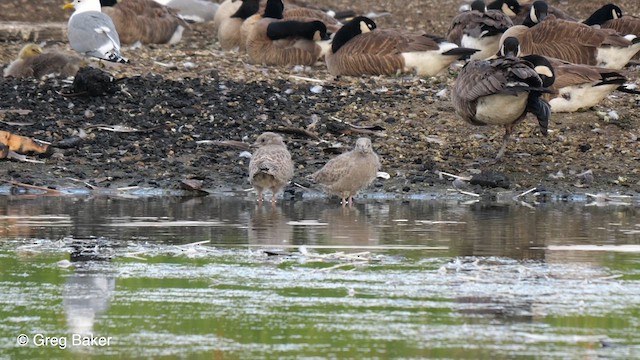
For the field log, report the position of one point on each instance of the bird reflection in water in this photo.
(267, 225)
(88, 291)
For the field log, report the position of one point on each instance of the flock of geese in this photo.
(521, 58)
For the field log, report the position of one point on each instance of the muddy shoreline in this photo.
(178, 103)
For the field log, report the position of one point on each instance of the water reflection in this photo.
(267, 225)
(479, 229)
(347, 226)
(445, 279)
(89, 289)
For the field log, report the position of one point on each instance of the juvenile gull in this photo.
(350, 172)
(270, 166)
(92, 33)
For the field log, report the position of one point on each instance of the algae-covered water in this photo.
(220, 277)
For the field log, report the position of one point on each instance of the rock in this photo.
(491, 179)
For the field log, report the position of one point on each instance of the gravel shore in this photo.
(185, 107)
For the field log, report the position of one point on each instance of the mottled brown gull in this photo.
(270, 166)
(350, 172)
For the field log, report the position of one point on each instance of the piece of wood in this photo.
(33, 32)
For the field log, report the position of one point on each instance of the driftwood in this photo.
(33, 32)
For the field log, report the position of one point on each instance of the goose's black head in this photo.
(604, 14)
(510, 47)
(543, 67)
(478, 5)
(538, 12)
(509, 7)
(247, 8)
(274, 9)
(353, 28)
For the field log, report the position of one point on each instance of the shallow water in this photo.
(220, 277)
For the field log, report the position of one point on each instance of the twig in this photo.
(525, 193)
(12, 155)
(194, 244)
(466, 192)
(337, 266)
(295, 77)
(15, 111)
(300, 186)
(465, 178)
(27, 186)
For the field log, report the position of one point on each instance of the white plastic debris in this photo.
(383, 175)
(317, 89)
(442, 93)
(245, 154)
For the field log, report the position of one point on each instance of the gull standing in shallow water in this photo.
(92, 33)
(350, 172)
(270, 166)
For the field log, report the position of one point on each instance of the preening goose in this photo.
(229, 30)
(273, 9)
(480, 29)
(92, 33)
(501, 92)
(358, 48)
(579, 86)
(271, 167)
(291, 12)
(277, 9)
(552, 10)
(510, 7)
(144, 21)
(537, 12)
(32, 61)
(519, 11)
(286, 42)
(350, 172)
(610, 17)
(575, 42)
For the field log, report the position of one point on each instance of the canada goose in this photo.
(525, 8)
(518, 11)
(276, 9)
(286, 42)
(578, 86)
(225, 10)
(229, 30)
(92, 33)
(575, 42)
(358, 48)
(501, 91)
(479, 29)
(271, 166)
(144, 21)
(300, 12)
(610, 17)
(273, 9)
(510, 7)
(537, 12)
(33, 62)
(349, 172)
